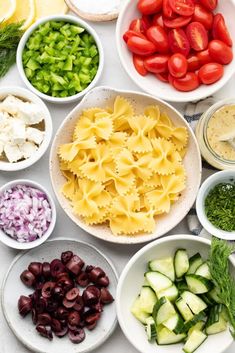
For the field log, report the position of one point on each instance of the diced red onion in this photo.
(25, 213)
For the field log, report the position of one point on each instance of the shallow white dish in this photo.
(24, 329)
(149, 83)
(210, 183)
(104, 96)
(66, 18)
(30, 97)
(12, 243)
(131, 281)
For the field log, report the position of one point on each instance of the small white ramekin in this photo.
(12, 243)
(210, 183)
(65, 18)
(30, 97)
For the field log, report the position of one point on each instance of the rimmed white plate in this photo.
(24, 329)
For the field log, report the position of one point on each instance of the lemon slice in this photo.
(47, 8)
(7, 9)
(25, 11)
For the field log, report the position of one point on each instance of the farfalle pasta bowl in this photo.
(103, 97)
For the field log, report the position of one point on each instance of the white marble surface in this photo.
(115, 76)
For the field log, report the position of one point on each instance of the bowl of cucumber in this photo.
(167, 300)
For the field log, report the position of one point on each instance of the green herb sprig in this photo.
(10, 35)
(219, 268)
(220, 206)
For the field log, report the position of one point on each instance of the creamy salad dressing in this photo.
(97, 6)
(222, 123)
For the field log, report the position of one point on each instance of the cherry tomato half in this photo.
(178, 41)
(203, 16)
(183, 7)
(157, 20)
(128, 34)
(220, 30)
(193, 62)
(140, 46)
(158, 36)
(177, 22)
(148, 7)
(204, 57)
(210, 73)
(220, 52)
(197, 36)
(157, 63)
(167, 9)
(209, 4)
(177, 65)
(187, 83)
(138, 62)
(162, 77)
(137, 26)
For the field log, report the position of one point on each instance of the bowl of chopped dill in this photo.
(215, 204)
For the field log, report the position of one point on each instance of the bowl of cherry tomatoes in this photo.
(177, 50)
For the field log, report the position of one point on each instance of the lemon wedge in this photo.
(47, 8)
(7, 9)
(25, 11)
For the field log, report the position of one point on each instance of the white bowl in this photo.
(210, 183)
(70, 19)
(131, 281)
(104, 96)
(12, 243)
(31, 97)
(149, 83)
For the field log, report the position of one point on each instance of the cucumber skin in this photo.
(195, 261)
(206, 282)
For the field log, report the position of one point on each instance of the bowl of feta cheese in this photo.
(25, 128)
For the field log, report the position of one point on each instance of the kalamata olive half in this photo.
(66, 256)
(91, 327)
(46, 270)
(40, 305)
(75, 265)
(58, 293)
(24, 305)
(83, 279)
(74, 318)
(91, 295)
(66, 283)
(28, 278)
(47, 289)
(56, 268)
(62, 313)
(45, 331)
(97, 307)
(103, 281)
(77, 337)
(89, 268)
(105, 296)
(79, 305)
(95, 274)
(56, 325)
(52, 306)
(68, 303)
(44, 319)
(35, 268)
(72, 294)
(62, 332)
(90, 319)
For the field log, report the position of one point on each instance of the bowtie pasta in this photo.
(124, 169)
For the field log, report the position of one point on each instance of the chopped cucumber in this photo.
(194, 341)
(150, 328)
(214, 294)
(182, 286)
(184, 309)
(204, 271)
(197, 318)
(195, 303)
(207, 299)
(170, 293)
(181, 262)
(194, 262)
(198, 284)
(217, 327)
(163, 310)
(199, 326)
(175, 323)
(138, 313)
(217, 321)
(158, 281)
(147, 299)
(165, 336)
(164, 266)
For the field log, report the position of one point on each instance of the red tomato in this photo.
(162, 77)
(220, 30)
(178, 41)
(204, 57)
(197, 36)
(203, 16)
(128, 34)
(157, 20)
(187, 83)
(177, 22)
(138, 62)
(148, 7)
(167, 9)
(220, 52)
(193, 62)
(137, 26)
(140, 46)
(147, 21)
(209, 4)
(158, 36)
(157, 63)
(183, 7)
(210, 73)
(177, 65)
(170, 79)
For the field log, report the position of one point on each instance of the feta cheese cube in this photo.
(34, 135)
(18, 132)
(28, 149)
(30, 113)
(10, 105)
(13, 152)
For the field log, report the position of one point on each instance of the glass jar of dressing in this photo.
(215, 133)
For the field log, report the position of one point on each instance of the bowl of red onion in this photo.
(27, 214)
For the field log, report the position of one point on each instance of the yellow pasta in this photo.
(122, 169)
